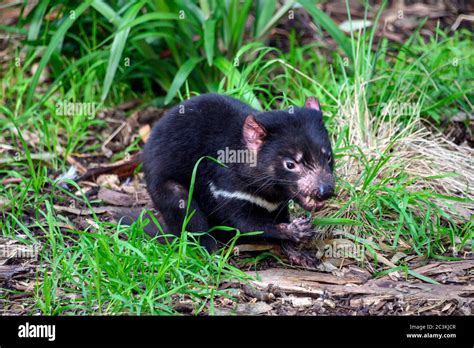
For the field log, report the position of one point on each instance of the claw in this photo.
(300, 230)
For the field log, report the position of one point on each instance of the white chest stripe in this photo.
(261, 202)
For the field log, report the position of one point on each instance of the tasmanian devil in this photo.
(271, 157)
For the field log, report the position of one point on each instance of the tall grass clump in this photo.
(408, 185)
(402, 186)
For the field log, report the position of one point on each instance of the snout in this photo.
(324, 191)
(313, 199)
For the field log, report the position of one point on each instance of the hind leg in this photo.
(171, 199)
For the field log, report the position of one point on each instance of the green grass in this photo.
(101, 272)
(110, 269)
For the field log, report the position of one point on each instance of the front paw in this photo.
(299, 230)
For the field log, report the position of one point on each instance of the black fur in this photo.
(207, 124)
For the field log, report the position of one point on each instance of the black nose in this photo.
(325, 191)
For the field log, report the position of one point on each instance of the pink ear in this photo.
(312, 103)
(253, 133)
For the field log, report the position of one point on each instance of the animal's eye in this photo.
(329, 158)
(290, 165)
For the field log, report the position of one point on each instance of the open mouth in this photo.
(310, 203)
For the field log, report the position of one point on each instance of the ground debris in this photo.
(122, 169)
(123, 199)
(7, 272)
(256, 308)
(353, 293)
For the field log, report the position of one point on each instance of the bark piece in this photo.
(9, 271)
(123, 169)
(122, 199)
(445, 267)
(314, 283)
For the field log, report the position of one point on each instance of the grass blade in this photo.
(271, 21)
(236, 80)
(422, 277)
(37, 20)
(107, 11)
(328, 221)
(181, 77)
(328, 24)
(56, 39)
(209, 39)
(116, 50)
(263, 14)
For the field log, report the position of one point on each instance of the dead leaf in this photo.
(123, 168)
(108, 181)
(4, 203)
(8, 271)
(121, 199)
(85, 211)
(257, 308)
(144, 132)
